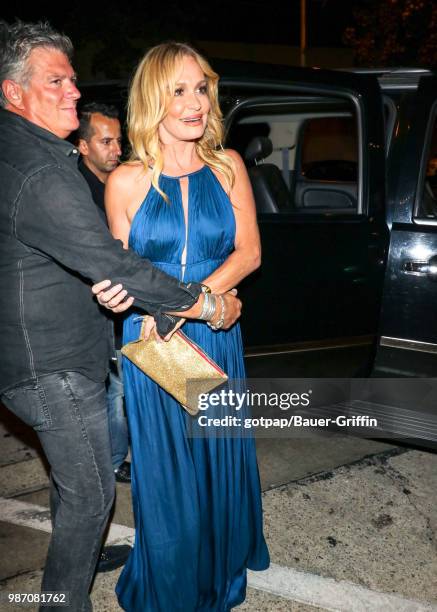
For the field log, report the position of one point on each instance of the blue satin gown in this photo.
(196, 501)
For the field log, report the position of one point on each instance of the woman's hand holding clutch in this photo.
(149, 327)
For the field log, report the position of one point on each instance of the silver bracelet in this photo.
(212, 308)
(221, 321)
(205, 307)
(209, 307)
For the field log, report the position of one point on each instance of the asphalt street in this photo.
(351, 524)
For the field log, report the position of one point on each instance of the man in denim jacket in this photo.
(53, 245)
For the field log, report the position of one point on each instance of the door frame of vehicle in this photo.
(362, 92)
(411, 335)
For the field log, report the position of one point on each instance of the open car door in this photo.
(324, 239)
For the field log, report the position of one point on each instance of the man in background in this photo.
(99, 142)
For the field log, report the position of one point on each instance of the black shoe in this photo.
(122, 474)
(113, 557)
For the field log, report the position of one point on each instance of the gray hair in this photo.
(17, 41)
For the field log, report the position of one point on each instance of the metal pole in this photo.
(303, 32)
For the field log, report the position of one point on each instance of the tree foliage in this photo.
(394, 33)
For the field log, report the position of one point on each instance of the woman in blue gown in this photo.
(186, 204)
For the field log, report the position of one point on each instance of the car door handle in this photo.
(426, 268)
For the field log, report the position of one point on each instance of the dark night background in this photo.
(113, 35)
(252, 21)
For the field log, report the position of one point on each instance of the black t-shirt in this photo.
(97, 189)
(96, 186)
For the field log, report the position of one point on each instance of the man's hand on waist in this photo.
(115, 299)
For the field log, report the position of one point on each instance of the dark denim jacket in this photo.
(53, 244)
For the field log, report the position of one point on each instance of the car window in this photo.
(302, 158)
(330, 150)
(427, 200)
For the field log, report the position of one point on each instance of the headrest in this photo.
(258, 148)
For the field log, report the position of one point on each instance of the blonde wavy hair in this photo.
(150, 95)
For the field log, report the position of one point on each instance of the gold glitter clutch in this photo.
(179, 366)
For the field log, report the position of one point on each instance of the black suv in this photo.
(344, 172)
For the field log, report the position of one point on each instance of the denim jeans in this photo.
(69, 413)
(116, 416)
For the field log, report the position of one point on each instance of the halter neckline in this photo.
(184, 175)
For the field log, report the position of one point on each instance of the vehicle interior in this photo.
(302, 155)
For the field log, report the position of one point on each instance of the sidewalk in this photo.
(345, 532)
